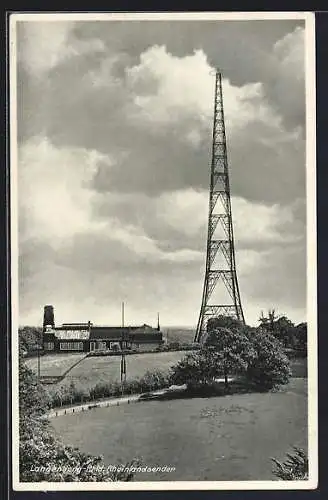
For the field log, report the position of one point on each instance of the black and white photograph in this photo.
(163, 251)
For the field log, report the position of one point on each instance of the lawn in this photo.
(221, 438)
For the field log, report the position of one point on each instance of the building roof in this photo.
(72, 326)
(146, 337)
(77, 324)
(128, 333)
(108, 332)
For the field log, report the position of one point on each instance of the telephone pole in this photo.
(123, 360)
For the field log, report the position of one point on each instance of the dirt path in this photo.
(99, 404)
(132, 398)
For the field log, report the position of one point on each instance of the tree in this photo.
(280, 327)
(224, 322)
(301, 336)
(233, 349)
(269, 366)
(30, 338)
(267, 322)
(226, 351)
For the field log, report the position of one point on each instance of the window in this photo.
(49, 346)
(98, 346)
(71, 346)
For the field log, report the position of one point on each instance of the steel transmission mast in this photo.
(220, 255)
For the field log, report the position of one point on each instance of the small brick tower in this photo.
(48, 317)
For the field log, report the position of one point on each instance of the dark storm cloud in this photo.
(266, 170)
(270, 281)
(244, 50)
(152, 161)
(86, 99)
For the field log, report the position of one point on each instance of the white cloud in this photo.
(290, 53)
(255, 223)
(56, 202)
(54, 197)
(102, 76)
(159, 119)
(186, 211)
(183, 210)
(286, 86)
(46, 44)
(168, 89)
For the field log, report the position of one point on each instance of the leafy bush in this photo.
(295, 467)
(270, 365)
(196, 368)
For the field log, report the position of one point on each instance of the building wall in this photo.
(72, 334)
(66, 340)
(145, 346)
(53, 344)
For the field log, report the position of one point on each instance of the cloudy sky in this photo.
(114, 136)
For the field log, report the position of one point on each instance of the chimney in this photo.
(158, 327)
(48, 317)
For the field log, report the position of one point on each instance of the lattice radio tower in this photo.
(220, 254)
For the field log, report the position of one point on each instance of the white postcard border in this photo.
(312, 482)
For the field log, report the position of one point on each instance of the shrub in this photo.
(66, 395)
(295, 467)
(154, 380)
(174, 346)
(270, 365)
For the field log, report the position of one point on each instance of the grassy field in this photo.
(100, 369)
(221, 438)
(179, 334)
(54, 364)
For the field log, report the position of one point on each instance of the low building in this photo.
(86, 337)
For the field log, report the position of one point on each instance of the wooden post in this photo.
(39, 360)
